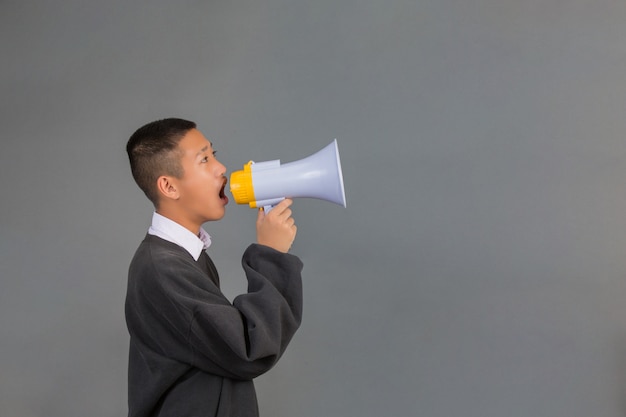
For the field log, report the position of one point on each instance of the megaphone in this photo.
(265, 184)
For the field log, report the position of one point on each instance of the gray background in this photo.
(479, 268)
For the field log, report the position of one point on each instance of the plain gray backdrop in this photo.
(479, 268)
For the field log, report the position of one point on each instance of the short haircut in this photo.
(153, 151)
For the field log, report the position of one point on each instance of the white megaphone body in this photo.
(265, 184)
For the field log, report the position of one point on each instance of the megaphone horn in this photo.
(265, 184)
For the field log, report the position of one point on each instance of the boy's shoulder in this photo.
(152, 245)
(161, 266)
(159, 255)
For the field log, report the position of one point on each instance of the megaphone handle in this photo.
(269, 203)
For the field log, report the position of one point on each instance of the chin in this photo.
(216, 215)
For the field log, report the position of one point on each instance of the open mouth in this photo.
(222, 193)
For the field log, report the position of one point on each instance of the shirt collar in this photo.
(173, 232)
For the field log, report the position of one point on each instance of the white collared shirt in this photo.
(173, 232)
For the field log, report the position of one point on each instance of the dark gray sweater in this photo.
(192, 352)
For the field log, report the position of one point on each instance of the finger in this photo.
(286, 214)
(260, 215)
(284, 204)
(282, 210)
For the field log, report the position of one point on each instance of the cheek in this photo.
(195, 183)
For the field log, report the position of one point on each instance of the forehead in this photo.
(194, 142)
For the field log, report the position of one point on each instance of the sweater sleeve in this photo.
(246, 339)
(185, 317)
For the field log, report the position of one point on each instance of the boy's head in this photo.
(153, 151)
(175, 166)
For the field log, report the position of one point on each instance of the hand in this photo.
(277, 228)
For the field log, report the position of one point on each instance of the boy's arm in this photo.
(246, 339)
(254, 334)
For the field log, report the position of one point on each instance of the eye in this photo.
(205, 159)
(214, 153)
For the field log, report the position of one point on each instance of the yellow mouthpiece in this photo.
(241, 185)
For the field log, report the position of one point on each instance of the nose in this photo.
(221, 169)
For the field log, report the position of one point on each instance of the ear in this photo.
(167, 187)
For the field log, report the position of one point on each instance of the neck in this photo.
(180, 218)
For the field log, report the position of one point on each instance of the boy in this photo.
(192, 352)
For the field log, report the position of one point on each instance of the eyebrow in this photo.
(204, 149)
